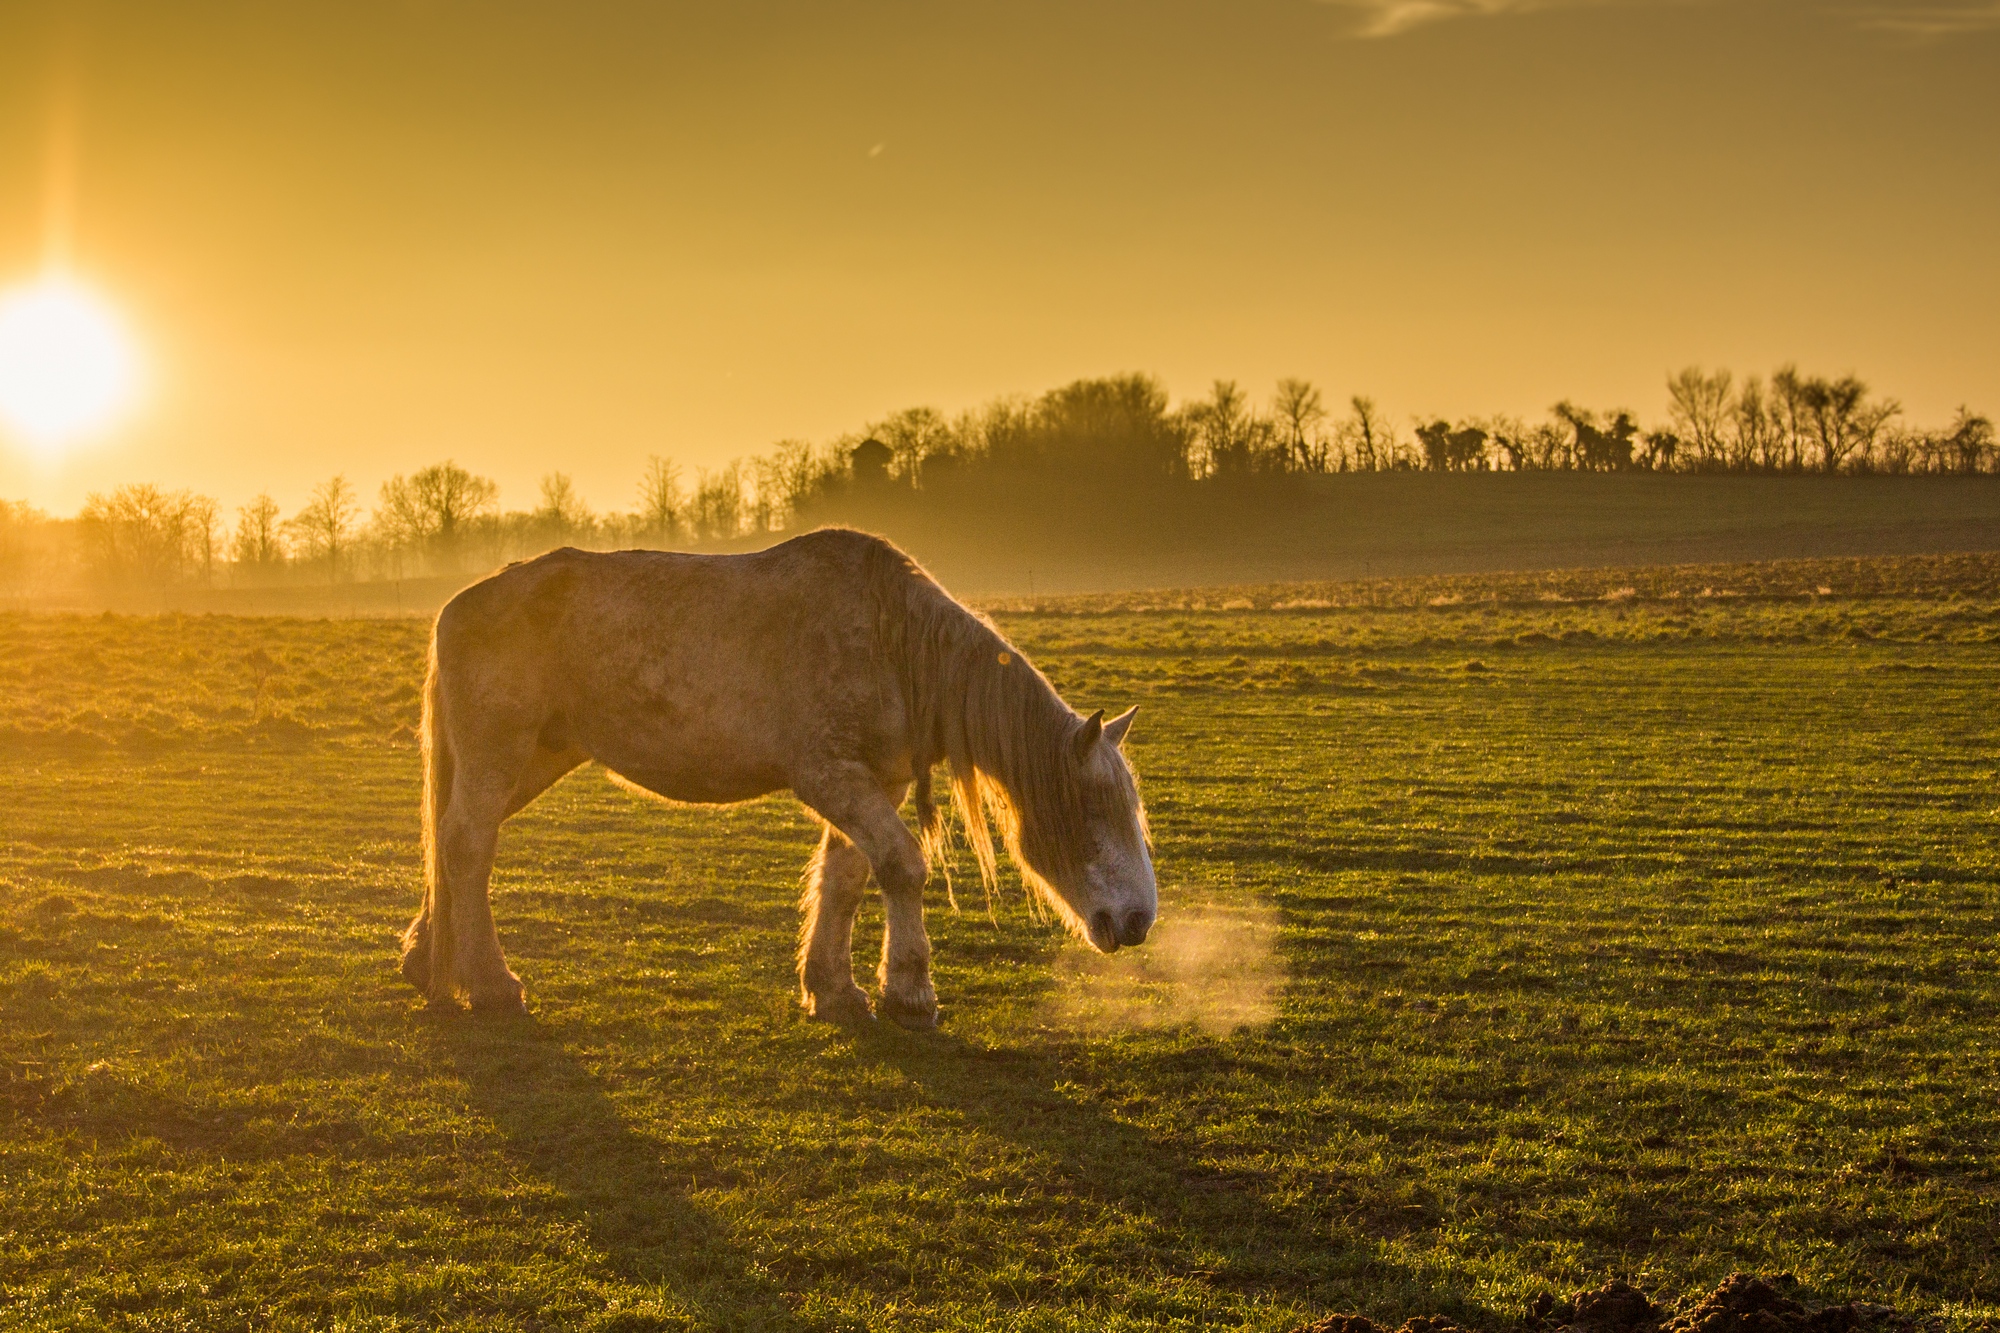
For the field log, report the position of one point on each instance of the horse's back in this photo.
(711, 675)
(820, 577)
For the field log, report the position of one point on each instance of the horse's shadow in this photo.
(1210, 1224)
(633, 1193)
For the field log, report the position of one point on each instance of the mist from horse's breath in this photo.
(1210, 964)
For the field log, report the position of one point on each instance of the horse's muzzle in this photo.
(1109, 933)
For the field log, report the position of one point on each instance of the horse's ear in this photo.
(1115, 729)
(1087, 734)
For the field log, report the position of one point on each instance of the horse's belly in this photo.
(704, 754)
(701, 786)
(692, 765)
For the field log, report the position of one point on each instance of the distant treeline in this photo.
(1113, 432)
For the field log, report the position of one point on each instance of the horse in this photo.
(831, 665)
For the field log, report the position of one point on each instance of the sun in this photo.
(68, 368)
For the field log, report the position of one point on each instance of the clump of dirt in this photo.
(1341, 1323)
(1354, 1323)
(1746, 1304)
(1615, 1307)
(1742, 1304)
(260, 886)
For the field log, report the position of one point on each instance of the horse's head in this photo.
(1100, 877)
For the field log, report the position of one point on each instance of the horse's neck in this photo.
(1030, 712)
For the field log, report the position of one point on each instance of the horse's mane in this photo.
(976, 704)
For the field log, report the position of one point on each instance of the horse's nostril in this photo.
(1137, 923)
(1102, 926)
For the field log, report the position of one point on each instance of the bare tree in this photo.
(761, 507)
(1510, 440)
(914, 436)
(259, 545)
(1299, 413)
(1658, 449)
(1599, 447)
(146, 535)
(562, 516)
(430, 511)
(22, 526)
(1753, 435)
(1448, 450)
(1006, 433)
(786, 480)
(325, 527)
(1366, 438)
(660, 502)
(1971, 443)
(1222, 431)
(1841, 420)
(1115, 426)
(719, 505)
(203, 518)
(1698, 403)
(1789, 419)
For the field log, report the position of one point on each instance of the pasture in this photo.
(1507, 943)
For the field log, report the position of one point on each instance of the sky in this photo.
(362, 236)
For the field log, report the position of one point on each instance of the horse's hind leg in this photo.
(482, 795)
(544, 770)
(835, 880)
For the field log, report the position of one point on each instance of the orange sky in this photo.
(360, 237)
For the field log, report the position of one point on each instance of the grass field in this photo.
(1645, 932)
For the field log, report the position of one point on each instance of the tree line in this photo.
(1792, 423)
(1120, 430)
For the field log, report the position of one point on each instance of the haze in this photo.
(363, 237)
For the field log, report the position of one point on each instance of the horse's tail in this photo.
(430, 942)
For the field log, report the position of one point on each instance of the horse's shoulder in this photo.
(838, 541)
(534, 588)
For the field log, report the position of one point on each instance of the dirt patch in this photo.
(260, 886)
(1354, 1323)
(1742, 1304)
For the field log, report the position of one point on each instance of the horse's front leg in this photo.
(835, 881)
(905, 973)
(852, 801)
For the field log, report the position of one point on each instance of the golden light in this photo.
(68, 367)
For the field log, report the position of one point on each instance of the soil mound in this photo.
(1354, 1323)
(1742, 1304)
(1746, 1304)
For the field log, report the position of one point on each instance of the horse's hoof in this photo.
(500, 1004)
(417, 970)
(848, 1009)
(916, 1018)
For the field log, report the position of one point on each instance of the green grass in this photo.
(1654, 936)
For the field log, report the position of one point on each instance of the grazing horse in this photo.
(830, 664)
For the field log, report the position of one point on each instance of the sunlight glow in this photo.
(68, 368)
